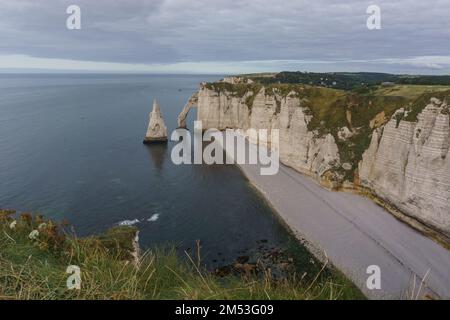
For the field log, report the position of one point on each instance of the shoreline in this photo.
(302, 241)
(330, 223)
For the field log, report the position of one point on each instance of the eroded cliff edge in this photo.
(392, 142)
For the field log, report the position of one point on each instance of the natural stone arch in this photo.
(192, 103)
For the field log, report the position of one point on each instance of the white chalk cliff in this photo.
(407, 165)
(157, 130)
(299, 148)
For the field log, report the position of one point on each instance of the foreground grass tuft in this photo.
(34, 267)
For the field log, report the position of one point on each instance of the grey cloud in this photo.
(168, 31)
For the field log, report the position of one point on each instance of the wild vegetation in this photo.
(35, 253)
(347, 80)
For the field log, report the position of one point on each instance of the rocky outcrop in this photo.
(157, 130)
(136, 252)
(408, 165)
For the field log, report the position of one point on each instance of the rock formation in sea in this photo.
(157, 130)
(192, 102)
(346, 141)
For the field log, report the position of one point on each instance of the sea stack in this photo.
(157, 130)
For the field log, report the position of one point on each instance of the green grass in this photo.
(36, 269)
(409, 91)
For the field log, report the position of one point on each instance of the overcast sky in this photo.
(226, 36)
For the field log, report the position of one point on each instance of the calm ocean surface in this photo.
(71, 147)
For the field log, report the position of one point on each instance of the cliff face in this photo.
(402, 161)
(299, 147)
(409, 165)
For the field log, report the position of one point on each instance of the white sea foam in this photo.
(129, 222)
(153, 218)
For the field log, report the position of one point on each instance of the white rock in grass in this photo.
(33, 235)
(13, 224)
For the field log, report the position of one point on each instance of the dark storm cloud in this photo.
(170, 31)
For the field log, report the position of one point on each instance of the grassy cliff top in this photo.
(35, 254)
(347, 80)
(329, 106)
